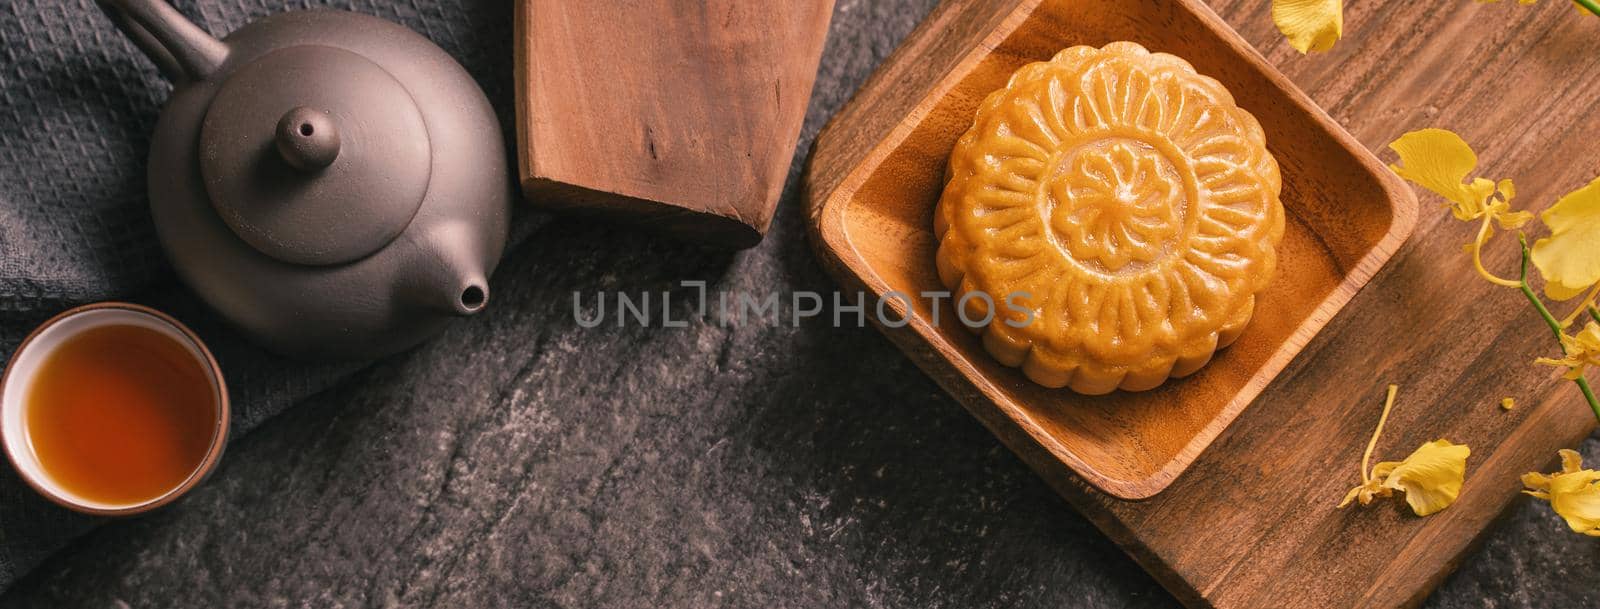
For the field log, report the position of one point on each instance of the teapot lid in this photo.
(315, 155)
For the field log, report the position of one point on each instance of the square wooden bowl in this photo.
(872, 199)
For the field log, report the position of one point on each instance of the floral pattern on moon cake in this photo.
(1117, 213)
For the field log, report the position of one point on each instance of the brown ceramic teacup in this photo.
(113, 409)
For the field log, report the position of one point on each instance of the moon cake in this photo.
(1117, 214)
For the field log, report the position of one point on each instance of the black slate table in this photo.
(522, 460)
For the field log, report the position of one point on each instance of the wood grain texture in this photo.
(680, 115)
(1253, 523)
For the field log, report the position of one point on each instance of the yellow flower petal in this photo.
(1571, 461)
(1569, 258)
(1431, 477)
(1501, 208)
(1576, 497)
(1573, 493)
(1538, 484)
(1440, 161)
(1310, 25)
(1582, 351)
(1365, 493)
(1510, 190)
(1350, 496)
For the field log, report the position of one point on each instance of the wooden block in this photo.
(678, 114)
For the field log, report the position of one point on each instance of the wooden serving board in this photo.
(1253, 523)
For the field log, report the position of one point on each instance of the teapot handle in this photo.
(182, 50)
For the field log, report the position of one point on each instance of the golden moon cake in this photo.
(1112, 215)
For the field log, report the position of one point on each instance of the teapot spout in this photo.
(460, 295)
(182, 50)
(472, 298)
(448, 278)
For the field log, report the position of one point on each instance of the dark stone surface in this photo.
(523, 461)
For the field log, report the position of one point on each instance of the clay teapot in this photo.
(334, 184)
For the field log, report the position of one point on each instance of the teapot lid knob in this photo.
(315, 155)
(307, 138)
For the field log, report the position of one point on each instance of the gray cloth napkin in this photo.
(77, 105)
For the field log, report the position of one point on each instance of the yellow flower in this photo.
(1572, 492)
(1310, 25)
(1508, 403)
(1430, 477)
(1582, 349)
(1569, 258)
(1440, 161)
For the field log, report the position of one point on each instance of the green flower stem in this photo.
(1589, 5)
(1555, 326)
(1595, 313)
(1588, 394)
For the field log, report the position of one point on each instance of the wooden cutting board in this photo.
(680, 115)
(1253, 524)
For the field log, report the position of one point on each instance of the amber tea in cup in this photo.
(113, 409)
